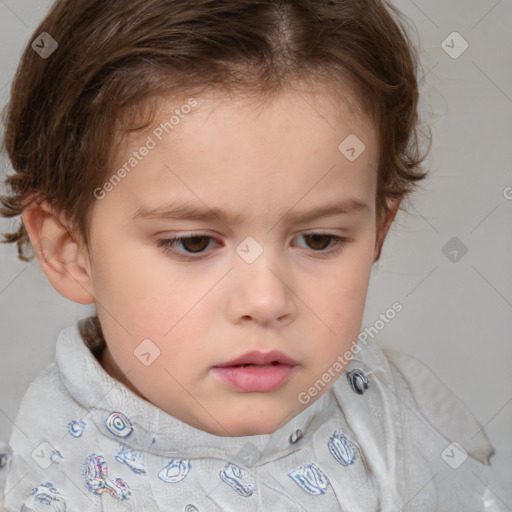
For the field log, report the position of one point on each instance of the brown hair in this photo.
(67, 112)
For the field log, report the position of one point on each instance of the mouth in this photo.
(246, 365)
(256, 371)
(258, 358)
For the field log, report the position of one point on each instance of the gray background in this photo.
(457, 316)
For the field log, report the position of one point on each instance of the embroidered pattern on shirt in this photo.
(76, 428)
(310, 478)
(175, 471)
(95, 477)
(119, 424)
(295, 436)
(237, 478)
(341, 448)
(46, 493)
(358, 380)
(127, 456)
(56, 457)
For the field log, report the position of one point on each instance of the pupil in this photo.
(315, 240)
(193, 247)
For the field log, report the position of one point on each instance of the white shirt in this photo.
(83, 441)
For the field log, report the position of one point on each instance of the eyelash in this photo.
(168, 243)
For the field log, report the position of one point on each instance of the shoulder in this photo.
(29, 476)
(438, 405)
(43, 398)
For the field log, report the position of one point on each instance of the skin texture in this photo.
(259, 162)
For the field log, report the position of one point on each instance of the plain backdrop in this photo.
(457, 315)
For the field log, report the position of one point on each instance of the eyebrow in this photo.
(180, 210)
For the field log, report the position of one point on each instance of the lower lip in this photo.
(254, 378)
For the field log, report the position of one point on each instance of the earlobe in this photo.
(61, 258)
(385, 224)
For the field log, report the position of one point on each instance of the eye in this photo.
(198, 243)
(320, 241)
(192, 244)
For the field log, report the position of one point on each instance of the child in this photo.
(231, 375)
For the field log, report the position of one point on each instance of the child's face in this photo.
(299, 296)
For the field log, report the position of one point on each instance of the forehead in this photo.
(327, 101)
(249, 152)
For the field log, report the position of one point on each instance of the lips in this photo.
(256, 372)
(256, 357)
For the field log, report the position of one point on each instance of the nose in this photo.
(261, 292)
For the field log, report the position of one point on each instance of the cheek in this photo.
(341, 297)
(131, 286)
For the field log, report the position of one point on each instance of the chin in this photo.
(250, 426)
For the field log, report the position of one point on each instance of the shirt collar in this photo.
(119, 413)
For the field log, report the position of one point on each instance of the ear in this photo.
(62, 258)
(385, 224)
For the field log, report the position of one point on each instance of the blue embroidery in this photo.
(119, 424)
(310, 478)
(56, 456)
(237, 478)
(127, 456)
(175, 471)
(95, 474)
(46, 493)
(76, 428)
(341, 449)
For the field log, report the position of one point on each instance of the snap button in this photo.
(295, 436)
(358, 380)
